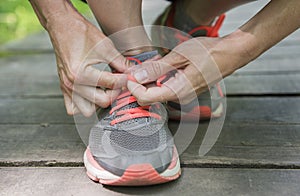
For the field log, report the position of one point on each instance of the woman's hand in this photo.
(200, 62)
(75, 43)
(204, 61)
(78, 45)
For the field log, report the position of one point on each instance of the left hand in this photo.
(197, 61)
(200, 58)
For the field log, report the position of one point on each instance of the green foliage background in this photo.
(17, 19)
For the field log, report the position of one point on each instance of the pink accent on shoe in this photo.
(140, 175)
(202, 112)
(137, 174)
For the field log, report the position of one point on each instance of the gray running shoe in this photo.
(131, 145)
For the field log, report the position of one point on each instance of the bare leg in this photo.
(118, 15)
(203, 12)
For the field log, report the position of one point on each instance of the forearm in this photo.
(273, 23)
(46, 10)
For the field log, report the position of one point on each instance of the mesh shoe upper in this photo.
(129, 134)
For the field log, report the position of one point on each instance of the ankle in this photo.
(187, 18)
(202, 20)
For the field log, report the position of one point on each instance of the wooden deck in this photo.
(257, 153)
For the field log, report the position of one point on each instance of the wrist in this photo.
(235, 51)
(49, 10)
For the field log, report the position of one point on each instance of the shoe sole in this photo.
(134, 175)
(205, 114)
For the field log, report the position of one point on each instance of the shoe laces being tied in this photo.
(126, 108)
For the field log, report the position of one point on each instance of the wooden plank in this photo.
(281, 84)
(247, 145)
(73, 181)
(263, 110)
(246, 109)
(282, 65)
(26, 75)
(239, 145)
(45, 143)
(36, 76)
(37, 111)
(33, 111)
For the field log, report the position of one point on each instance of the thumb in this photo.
(150, 71)
(121, 63)
(110, 55)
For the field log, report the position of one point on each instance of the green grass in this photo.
(17, 19)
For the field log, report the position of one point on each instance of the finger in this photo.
(121, 63)
(146, 96)
(151, 70)
(103, 98)
(94, 77)
(75, 103)
(182, 86)
(66, 84)
(178, 88)
(70, 107)
(112, 56)
(137, 66)
(86, 107)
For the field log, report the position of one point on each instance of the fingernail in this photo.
(141, 76)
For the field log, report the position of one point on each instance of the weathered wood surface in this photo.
(256, 153)
(26, 75)
(239, 110)
(239, 145)
(264, 131)
(45, 143)
(36, 76)
(201, 181)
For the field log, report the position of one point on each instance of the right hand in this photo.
(82, 85)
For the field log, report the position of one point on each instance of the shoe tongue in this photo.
(141, 57)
